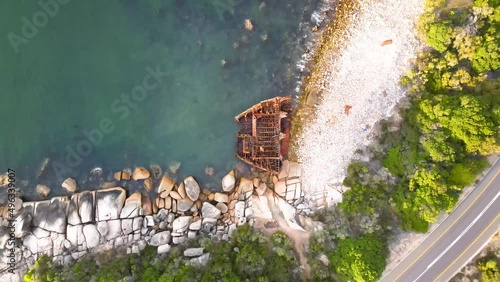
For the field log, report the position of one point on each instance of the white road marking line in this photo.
(459, 236)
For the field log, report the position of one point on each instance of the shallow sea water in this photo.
(71, 76)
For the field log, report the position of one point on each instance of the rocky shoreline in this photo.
(66, 228)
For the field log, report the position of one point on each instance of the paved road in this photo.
(458, 238)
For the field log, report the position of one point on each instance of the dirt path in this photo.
(300, 239)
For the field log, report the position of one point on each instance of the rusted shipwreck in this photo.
(264, 134)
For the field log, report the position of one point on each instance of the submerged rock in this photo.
(174, 166)
(210, 170)
(156, 169)
(248, 24)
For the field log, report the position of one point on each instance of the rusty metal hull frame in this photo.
(262, 140)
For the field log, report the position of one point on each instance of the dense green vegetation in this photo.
(488, 268)
(452, 123)
(249, 256)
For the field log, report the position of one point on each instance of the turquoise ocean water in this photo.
(75, 71)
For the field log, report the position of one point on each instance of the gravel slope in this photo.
(360, 87)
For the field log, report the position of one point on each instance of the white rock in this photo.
(109, 203)
(51, 215)
(86, 206)
(137, 224)
(40, 233)
(191, 234)
(196, 225)
(149, 221)
(248, 212)
(163, 249)
(74, 234)
(127, 226)
(102, 227)
(239, 209)
(222, 207)
(92, 236)
(133, 206)
(114, 229)
(228, 182)
(209, 211)
(181, 223)
(193, 252)
(160, 238)
(232, 228)
(73, 215)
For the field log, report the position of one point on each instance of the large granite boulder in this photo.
(228, 182)
(51, 215)
(192, 188)
(73, 215)
(74, 234)
(133, 206)
(70, 185)
(92, 236)
(210, 211)
(109, 203)
(86, 206)
(22, 225)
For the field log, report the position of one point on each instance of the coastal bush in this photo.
(359, 259)
(394, 161)
(488, 267)
(43, 270)
(439, 35)
(454, 112)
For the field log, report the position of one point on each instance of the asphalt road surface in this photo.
(458, 238)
